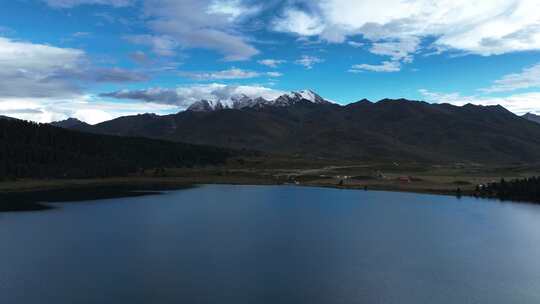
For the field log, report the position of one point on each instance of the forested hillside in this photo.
(44, 151)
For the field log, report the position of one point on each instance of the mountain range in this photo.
(305, 124)
(243, 101)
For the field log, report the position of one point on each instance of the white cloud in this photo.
(39, 70)
(203, 24)
(184, 96)
(478, 27)
(206, 24)
(308, 61)
(87, 108)
(355, 44)
(399, 50)
(274, 74)
(395, 28)
(527, 78)
(234, 9)
(299, 22)
(92, 116)
(385, 66)
(272, 63)
(517, 103)
(73, 3)
(28, 69)
(160, 45)
(39, 57)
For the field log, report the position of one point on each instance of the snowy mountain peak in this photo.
(243, 101)
(308, 95)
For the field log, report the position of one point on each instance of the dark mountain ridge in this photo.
(74, 124)
(69, 123)
(532, 117)
(7, 117)
(390, 129)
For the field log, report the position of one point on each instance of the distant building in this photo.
(404, 179)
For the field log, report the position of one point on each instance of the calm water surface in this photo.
(273, 244)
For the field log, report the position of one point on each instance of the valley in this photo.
(299, 138)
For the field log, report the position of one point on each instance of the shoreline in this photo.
(39, 199)
(34, 195)
(450, 180)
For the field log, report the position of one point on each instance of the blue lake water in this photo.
(273, 244)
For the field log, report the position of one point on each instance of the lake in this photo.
(273, 244)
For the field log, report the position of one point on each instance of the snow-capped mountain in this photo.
(244, 101)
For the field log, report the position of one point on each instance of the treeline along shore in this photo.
(526, 189)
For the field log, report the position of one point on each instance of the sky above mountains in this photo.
(99, 59)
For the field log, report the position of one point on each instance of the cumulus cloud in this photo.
(73, 3)
(396, 27)
(184, 96)
(28, 69)
(308, 61)
(299, 22)
(39, 70)
(272, 63)
(517, 103)
(385, 66)
(202, 24)
(527, 78)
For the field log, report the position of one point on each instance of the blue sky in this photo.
(99, 59)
